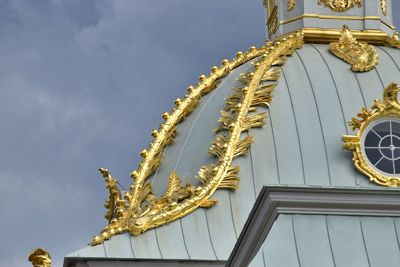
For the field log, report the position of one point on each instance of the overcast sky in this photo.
(82, 83)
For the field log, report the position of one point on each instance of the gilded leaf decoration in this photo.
(340, 5)
(362, 56)
(141, 209)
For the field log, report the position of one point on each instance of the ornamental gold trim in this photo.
(40, 258)
(389, 106)
(395, 40)
(332, 17)
(141, 209)
(340, 5)
(291, 4)
(384, 7)
(362, 56)
(273, 22)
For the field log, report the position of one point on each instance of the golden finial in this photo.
(40, 258)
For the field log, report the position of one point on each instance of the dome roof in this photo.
(300, 144)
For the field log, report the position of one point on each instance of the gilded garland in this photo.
(340, 5)
(362, 56)
(139, 209)
(376, 147)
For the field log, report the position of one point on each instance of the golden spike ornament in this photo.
(387, 108)
(40, 258)
(362, 56)
(142, 210)
(340, 5)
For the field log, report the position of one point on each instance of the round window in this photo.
(381, 145)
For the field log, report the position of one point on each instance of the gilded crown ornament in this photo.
(362, 56)
(340, 5)
(376, 147)
(40, 258)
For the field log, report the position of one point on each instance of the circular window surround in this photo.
(365, 132)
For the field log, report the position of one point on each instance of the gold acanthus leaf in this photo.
(390, 96)
(208, 203)
(114, 202)
(362, 56)
(340, 5)
(272, 75)
(40, 258)
(173, 185)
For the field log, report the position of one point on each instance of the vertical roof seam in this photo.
(295, 241)
(130, 243)
(397, 234)
(184, 240)
(365, 245)
(336, 87)
(391, 57)
(209, 235)
(338, 95)
(232, 217)
(276, 151)
(329, 240)
(319, 117)
(158, 243)
(296, 125)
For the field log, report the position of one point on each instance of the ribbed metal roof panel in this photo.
(299, 145)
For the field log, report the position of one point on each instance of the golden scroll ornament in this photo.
(362, 56)
(340, 5)
(40, 258)
(395, 40)
(387, 108)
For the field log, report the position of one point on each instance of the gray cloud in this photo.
(82, 83)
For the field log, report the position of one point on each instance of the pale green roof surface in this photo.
(340, 241)
(299, 145)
